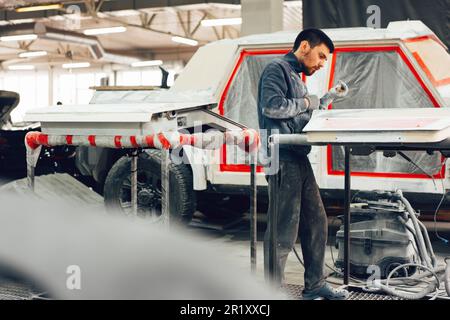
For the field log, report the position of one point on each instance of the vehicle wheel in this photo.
(222, 206)
(117, 189)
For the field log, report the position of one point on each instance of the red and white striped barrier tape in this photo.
(247, 139)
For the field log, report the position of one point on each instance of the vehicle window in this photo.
(241, 101)
(380, 79)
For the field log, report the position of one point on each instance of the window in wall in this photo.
(32, 86)
(73, 88)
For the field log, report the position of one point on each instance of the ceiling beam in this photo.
(108, 6)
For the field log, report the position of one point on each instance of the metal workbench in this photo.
(361, 132)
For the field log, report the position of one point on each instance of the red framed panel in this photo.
(436, 83)
(244, 53)
(426, 37)
(419, 60)
(330, 171)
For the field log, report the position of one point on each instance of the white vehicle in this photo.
(402, 66)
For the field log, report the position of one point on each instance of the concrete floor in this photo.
(233, 241)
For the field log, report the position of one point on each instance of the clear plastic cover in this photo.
(241, 102)
(381, 79)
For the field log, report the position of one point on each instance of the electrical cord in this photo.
(404, 156)
(428, 290)
(446, 241)
(413, 294)
(331, 268)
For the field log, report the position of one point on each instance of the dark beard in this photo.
(305, 70)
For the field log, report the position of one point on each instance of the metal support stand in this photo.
(347, 198)
(272, 259)
(32, 158)
(253, 210)
(165, 186)
(134, 166)
(30, 177)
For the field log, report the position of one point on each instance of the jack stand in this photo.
(253, 210)
(165, 186)
(134, 166)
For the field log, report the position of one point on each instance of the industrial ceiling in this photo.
(143, 30)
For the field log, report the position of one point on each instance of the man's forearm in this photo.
(285, 108)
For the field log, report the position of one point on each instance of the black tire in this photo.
(222, 206)
(117, 189)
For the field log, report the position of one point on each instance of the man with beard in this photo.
(285, 107)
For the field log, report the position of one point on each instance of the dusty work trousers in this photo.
(299, 202)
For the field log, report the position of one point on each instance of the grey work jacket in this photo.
(281, 107)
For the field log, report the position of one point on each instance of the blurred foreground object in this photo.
(47, 243)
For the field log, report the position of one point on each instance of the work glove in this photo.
(312, 102)
(338, 91)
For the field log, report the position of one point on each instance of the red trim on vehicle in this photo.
(332, 69)
(240, 167)
(427, 37)
(242, 55)
(397, 49)
(436, 83)
(91, 140)
(69, 139)
(438, 175)
(365, 49)
(234, 167)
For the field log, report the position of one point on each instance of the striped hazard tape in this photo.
(247, 139)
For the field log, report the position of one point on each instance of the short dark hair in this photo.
(314, 38)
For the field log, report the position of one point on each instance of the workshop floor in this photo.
(227, 236)
(232, 238)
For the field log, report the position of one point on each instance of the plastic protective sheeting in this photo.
(241, 102)
(381, 80)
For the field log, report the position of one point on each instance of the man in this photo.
(284, 106)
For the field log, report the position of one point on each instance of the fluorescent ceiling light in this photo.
(221, 22)
(19, 37)
(30, 54)
(21, 67)
(187, 41)
(148, 63)
(91, 32)
(54, 6)
(76, 65)
(125, 13)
